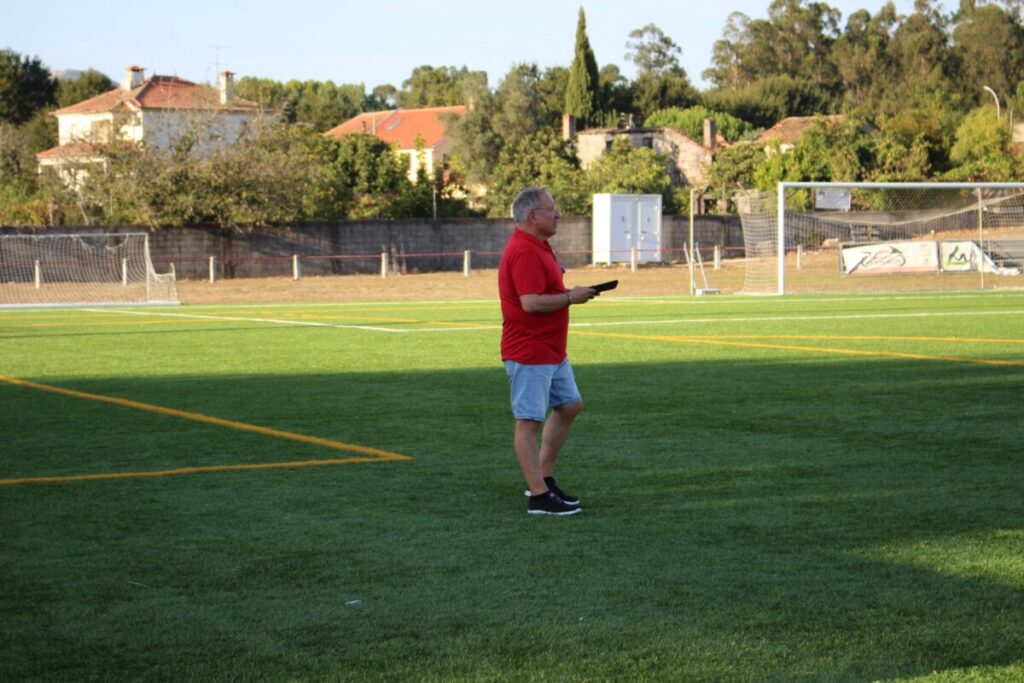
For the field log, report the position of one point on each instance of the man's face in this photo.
(545, 217)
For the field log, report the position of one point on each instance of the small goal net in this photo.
(81, 269)
(863, 237)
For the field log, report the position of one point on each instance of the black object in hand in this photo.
(605, 286)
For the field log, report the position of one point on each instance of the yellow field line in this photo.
(184, 470)
(794, 347)
(375, 453)
(406, 321)
(849, 337)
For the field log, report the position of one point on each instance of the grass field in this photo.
(774, 489)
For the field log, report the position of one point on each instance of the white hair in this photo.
(526, 201)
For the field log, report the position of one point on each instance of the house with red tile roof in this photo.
(154, 111)
(402, 127)
(789, 130)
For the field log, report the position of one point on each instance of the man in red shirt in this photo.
(535, 312)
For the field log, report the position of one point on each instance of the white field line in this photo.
(581, 325)
(231, 318)
(735, 299)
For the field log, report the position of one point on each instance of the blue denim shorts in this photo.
(538, 388)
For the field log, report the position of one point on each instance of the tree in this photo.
(862, 58)
(802, 38)
(1015, 101)
(726, 54)
(26, 86)
(691, 122)
(521, 110)
(652, 50)
(623, 169)
(794, 41)
(272, 175)
(88, 84)
(899, 160)
(516, 110)
(430, 86)
(924, 119)
(17, 176)
(988, 49)
(367, 175)
(919, 49)
(734, 169)
(769, 100)
(661, 82)
(476, 142)
(266, 92)
(321, 104)
(823, 153)
(552, 87)
(616, 94)
(17, 163)
(982, 149)
(382, 97)
(582, 94)
(541, 158)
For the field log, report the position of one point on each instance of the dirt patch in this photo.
(481, 284)
(972, 234)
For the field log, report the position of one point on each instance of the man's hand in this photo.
(581, 294)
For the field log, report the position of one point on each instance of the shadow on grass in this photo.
(742, 520)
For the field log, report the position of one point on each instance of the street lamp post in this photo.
(996, 97)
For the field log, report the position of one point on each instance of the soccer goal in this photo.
(863, 237)
(81, 269)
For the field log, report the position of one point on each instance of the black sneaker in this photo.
(550, 504)
(553, 487)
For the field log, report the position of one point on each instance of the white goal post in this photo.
(78, 269)
(812, 237)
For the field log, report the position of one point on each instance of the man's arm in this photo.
(546, 303)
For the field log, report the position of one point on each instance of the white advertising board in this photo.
(947, 256)
(959, 256)
(832, 199)
(891, 257)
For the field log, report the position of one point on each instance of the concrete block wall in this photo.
(357, 245)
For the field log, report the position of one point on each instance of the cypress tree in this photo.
(581, 92)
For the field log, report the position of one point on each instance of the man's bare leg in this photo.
(528, 453)
(556, 431)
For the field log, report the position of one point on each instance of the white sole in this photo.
(557, 514)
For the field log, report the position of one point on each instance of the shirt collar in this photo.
(522, 234)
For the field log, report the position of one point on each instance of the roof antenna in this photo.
(216, 56)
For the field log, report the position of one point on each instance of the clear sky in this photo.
(358, 41)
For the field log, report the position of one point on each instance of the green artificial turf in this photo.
(806, 488)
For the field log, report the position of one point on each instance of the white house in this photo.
(155, 111)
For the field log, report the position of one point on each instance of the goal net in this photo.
(81, 269)
(863, 237)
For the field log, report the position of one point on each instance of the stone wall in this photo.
(355, 246)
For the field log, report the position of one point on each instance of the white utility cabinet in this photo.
(623, 222)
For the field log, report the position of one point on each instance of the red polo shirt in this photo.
(528, 266)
